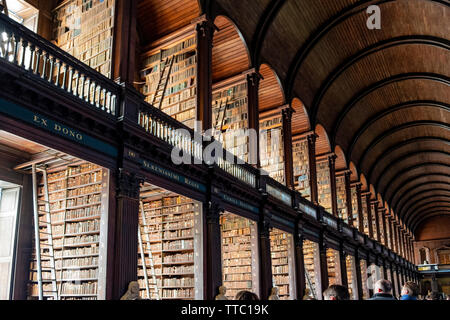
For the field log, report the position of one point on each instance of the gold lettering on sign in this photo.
(68, 132)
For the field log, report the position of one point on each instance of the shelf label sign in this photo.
(152, 167)
(236, 202)
(57, 128)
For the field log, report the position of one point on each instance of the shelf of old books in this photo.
(301, 166)
(312, 269)
(239, 254)
(169, 75)
(170, 242)
(341, 197)
(351, 277)
(230, 116)
(333, 267)
(323, 184)
(84, 29)
(282, 253)
(77, 204)
(271, 145)
(364, 279)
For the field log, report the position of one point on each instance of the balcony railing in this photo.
(44, 61)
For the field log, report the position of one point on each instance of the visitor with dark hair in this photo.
(410, 291)
(383, 290)
(246, 295)
(336, 292)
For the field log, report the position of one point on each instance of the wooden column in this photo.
(126, 233)
(391, 233)
(348, 198)
(343, 266)
(253, 80)
(394, 291)
(377, 221)
(360, 208)
(299, 266)
(384, 270)
(265, 261)
(403, 243)
(323, 265)
(124, 44)
(394, 235)
(212, 250)
(369, 215)
(313, 168)
(358, 275)
(205, 30)
(332, 167)
(287, 143)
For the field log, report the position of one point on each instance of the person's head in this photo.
(410, 289)
(383, 286)
(246, 295)
(222, 290)
(336, 292)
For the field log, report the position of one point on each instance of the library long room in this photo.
(339, 175)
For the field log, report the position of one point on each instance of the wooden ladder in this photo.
(162, 84)
(222, 111)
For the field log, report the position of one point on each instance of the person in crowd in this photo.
(382, 290)
(435, 296)
(246, 295)
(409, 291)
(336, 292)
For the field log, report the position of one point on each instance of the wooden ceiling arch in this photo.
(438, 185)
(415, 157)
(431, 194)
(300, 117)
(230, 55)
(341, 162)
(323, 145)
(422, 178)
(427, 215)
(412, 206)
(271, 93)
(425, 204)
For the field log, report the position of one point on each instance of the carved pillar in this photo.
(394, 291)
(313, 168)
(332, 167)
(213, 250)
(369, 215)
(265, 262)
(323, 265)
(348, 198)
(253, 80)
(126, 232)
(391, 234)
(343, 266)
(287, 142)
(394, 235)
(360, 209)
(205, 30)
(124, 44)
(299, 265)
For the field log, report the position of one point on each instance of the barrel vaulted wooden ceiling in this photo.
(382, 96)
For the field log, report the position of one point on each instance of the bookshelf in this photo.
(229, 115)
(239, 254)
(78, 198)
(341, 197)
(333, 267)
(301, 167)
(84, 29)
(365, 216)
(173, 67)
(365, 288)
(170, 227)
(352, 289)
(312, 267)
(271, 145)
(281, 248)
(354, 197)
(323, 184)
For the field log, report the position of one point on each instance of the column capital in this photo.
(128, 184)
